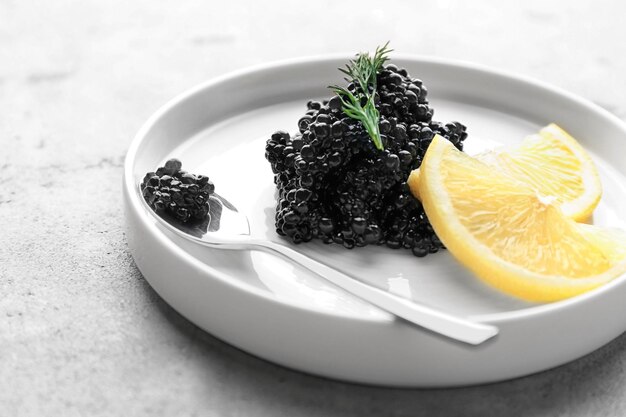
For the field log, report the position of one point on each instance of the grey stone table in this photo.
(82, 333)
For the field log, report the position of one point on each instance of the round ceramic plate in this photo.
(280, 312)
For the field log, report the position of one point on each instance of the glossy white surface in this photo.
(280, 312)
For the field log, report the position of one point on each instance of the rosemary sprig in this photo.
(368, 114)
(360, 105)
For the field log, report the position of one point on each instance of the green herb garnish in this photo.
(360, 104)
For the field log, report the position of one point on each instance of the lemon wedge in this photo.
(551, 162)
(509, 234)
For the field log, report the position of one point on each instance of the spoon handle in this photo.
(436, 321)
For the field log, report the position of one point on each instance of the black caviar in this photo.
(335, 185)
(170, 190)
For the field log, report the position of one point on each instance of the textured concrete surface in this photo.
(81, 332)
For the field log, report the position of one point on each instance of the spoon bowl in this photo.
(223, 220)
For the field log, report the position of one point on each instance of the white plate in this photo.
(270, 308)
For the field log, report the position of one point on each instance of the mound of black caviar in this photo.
(170, 190)
(335, 185)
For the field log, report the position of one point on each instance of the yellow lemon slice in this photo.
(510, 235)
(551, 162)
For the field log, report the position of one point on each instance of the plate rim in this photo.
(493, 318)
